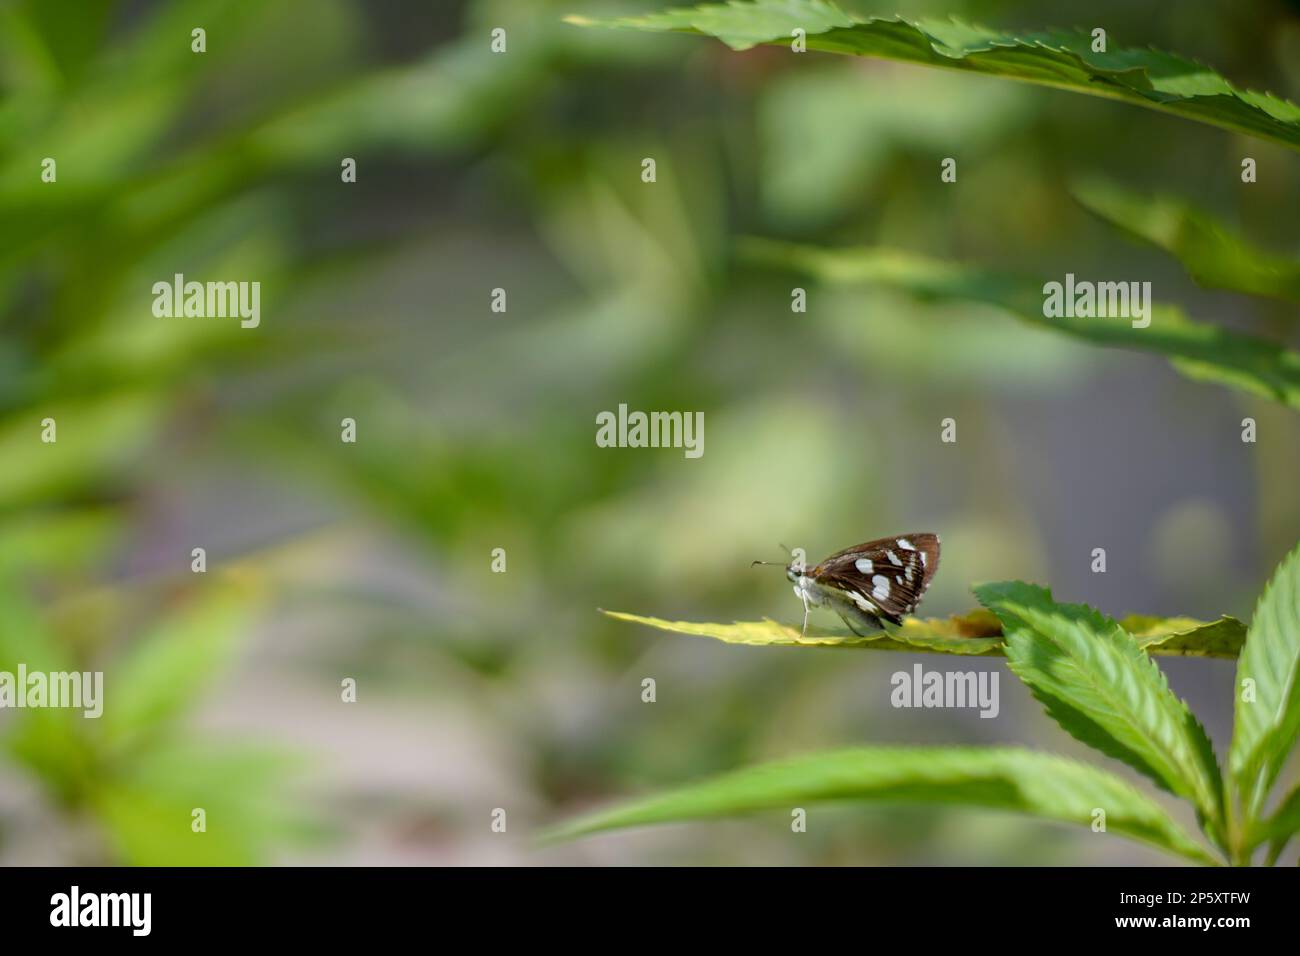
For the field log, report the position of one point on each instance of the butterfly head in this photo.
(796, 571)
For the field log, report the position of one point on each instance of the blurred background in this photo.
(475, 429)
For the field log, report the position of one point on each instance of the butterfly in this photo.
(868, 583)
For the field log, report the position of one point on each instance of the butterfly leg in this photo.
(805, 617)
(860, 622)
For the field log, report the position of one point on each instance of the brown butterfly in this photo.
(869, 583)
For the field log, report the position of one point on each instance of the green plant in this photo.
(138, 771)
(1197, 349)
(1095, 678)
(1066, 60)
(1212, 254)
(1094, 675)
(1059, 58)
(141, 189)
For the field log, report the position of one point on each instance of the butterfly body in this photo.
(870, 583)
(813, 594)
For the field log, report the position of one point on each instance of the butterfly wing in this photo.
(886, 577)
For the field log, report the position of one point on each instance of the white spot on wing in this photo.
(905, 544)
(864, 565)
(859, 600)
(894, 559)
(880, 589)
(924, 562)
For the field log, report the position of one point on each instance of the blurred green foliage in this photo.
(477, 171)
(1210, 253)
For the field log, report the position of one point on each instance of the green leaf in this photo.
(1185, 636)
(1056, 58)
(1211, 254)
(1278, 829)
(1198, 350)
(1041, 785)
(977, 633)
(72, 539)
(1265, 728)
(1096, 682)
(147, 809)
(97, 440)
(25, 637)
(957, 635)
(164, 675)
(48, 742)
